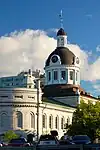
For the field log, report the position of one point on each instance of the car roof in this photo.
(47, 137)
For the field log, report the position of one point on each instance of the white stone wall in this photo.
(11, 95)
(11, 105)
(60, 112)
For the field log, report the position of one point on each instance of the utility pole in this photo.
(38, 93)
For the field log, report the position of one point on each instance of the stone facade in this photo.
(18, 111)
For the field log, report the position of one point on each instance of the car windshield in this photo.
(80, 138)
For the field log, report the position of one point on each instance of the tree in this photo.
(86, 120)
(10, 135)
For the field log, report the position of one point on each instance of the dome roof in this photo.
(66, 56)
(61, 32)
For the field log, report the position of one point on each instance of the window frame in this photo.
(76, 76)
(71, 76)
(50, 121)
(62, 122)
(55, 75)
(56, 122)
(19, 119)
(63, 74)
(68, 120)
(32, 120)
(49, 75)
(44, 118)
(3, 119)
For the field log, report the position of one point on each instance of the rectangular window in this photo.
(17, 79)
(31, 97)
(49, 76)
(63, 75)
(4, 96)
(18, 96)
(55, 75)
(71, 75)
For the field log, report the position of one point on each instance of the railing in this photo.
(17, 148)
(70, 147)
(56, 147)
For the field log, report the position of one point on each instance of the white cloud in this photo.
(96, 87)
(94, 73)
(89, 16)
(98, 48)
(24, 49)
(30, 48)
(52, 30)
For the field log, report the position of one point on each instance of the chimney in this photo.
(30, 72)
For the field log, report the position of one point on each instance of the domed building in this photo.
(62, 70)
(25, 108)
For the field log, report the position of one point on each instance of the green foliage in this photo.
(10, 135)
(86, 120)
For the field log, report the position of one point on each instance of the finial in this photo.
(61, 19)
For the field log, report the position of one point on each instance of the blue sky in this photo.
(81, 22)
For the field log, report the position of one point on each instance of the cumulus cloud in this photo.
(30, 48)
(23, 50)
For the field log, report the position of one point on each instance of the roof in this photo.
(61, 32)
(66, 56)
(53, 101)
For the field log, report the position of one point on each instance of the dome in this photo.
(66, 56)
(61, 32)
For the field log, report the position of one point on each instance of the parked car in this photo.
(18, 142)
(1, 144)
(4, 144)
(64, 141)
(48, 140)
(81, 139)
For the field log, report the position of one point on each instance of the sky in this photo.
(28, 35)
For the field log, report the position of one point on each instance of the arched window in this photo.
(44, 119)
(32, 120)
(19, 119)
(62, 123)
(4, 120)
(57, 122)
(68, 121)
(50, 121)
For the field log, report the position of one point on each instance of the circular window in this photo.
(54, 59)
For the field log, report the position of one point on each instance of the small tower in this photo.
(61, 38)
(62, 69)
(61, 35)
